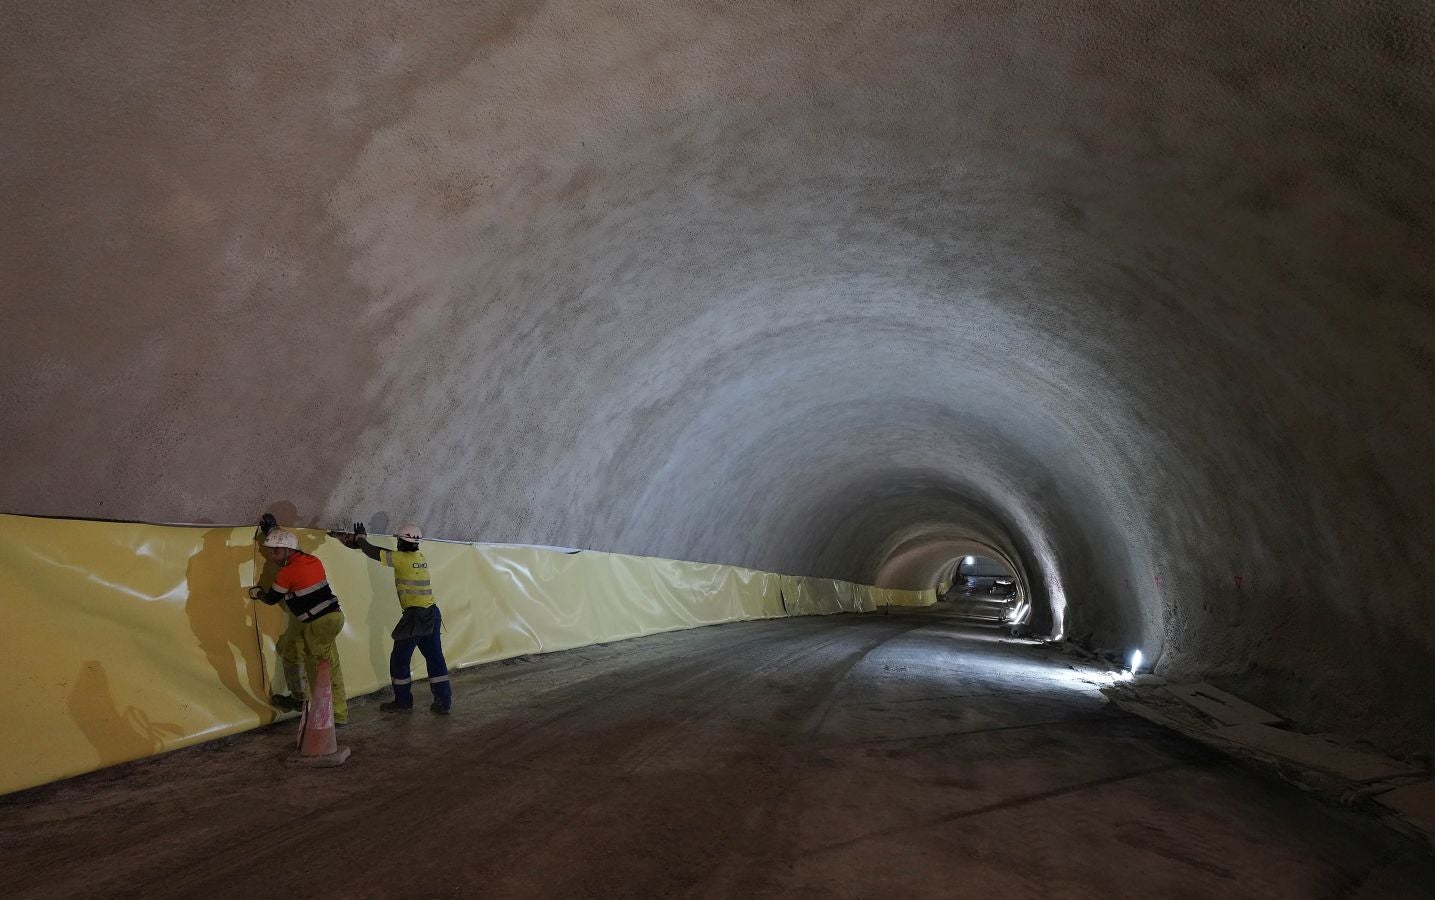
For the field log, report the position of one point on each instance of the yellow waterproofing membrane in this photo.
(127, 640)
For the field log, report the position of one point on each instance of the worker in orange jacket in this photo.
(303, 587)
(286, 646)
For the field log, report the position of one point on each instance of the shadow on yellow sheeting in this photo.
(117, 736)
(124, 640)
(221, 616)
(382, 610)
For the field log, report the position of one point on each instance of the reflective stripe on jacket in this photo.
(305, 588)
(411, 577)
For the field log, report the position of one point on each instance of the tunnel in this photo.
(1136, 298)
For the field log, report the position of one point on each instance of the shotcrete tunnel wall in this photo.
(1140, 292)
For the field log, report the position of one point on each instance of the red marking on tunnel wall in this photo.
(1240, 580)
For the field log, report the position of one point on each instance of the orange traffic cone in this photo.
(317, 745)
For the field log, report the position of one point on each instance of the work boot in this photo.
(438, 708)
(392, 706)
(287, 702)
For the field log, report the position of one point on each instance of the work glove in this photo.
(267, 522)
(350, 539)
(256, 593)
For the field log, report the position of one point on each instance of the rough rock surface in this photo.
(1138, 294)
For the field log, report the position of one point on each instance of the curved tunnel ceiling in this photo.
(1140, 294)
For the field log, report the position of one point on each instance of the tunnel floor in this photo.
(856, 756)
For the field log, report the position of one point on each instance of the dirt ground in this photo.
(901, 755)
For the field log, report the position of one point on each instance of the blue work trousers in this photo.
(431, 646)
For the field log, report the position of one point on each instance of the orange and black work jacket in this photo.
(304, 588)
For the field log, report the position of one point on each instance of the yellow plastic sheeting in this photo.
(535, 600)
(895, 597)
(825, 596)
(125, 640)
(371, 610)
(500, 601)
(122, 641)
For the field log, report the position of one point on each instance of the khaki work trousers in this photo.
(301, 647)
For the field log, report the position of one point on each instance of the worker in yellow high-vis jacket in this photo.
(419, 624)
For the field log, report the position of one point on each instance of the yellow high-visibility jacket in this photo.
(411, 577)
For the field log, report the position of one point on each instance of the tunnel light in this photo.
(971, 560)
(1135, 661)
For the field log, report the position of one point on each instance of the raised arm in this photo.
(358, 539)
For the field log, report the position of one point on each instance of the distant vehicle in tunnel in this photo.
(986, 590)
(1004, 586)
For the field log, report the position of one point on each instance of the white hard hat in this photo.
(278, 537)
(411, 533)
